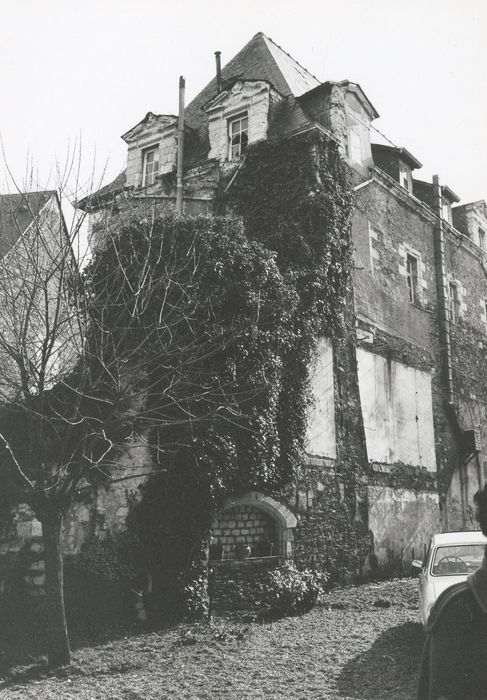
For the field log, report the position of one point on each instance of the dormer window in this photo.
(405, 178)
(238, 136)
(150, 165)
(446, 210)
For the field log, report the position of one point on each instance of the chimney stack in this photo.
(218, 72)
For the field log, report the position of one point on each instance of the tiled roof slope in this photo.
(17, 212)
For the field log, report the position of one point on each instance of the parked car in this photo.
(450, 558)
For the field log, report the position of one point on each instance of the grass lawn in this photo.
(362, 642)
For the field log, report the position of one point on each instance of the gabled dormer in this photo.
(398, 163)
(345, 110)
(424, 191)
(238, 117)
(471, 220)
(152, 149)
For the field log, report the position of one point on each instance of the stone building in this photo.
(420, 294)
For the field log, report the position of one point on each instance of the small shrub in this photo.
(288, 591)
(196, 595)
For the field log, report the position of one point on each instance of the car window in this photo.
(451, 560)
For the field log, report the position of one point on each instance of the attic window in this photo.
(150, 165)
(446, 210)
(238, 136)
(405, 179)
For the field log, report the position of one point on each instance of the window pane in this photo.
(238, 137)
(458, 559)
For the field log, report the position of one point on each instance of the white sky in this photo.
(88, 71)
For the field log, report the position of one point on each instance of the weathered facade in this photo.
(405, 402)
(420, 290)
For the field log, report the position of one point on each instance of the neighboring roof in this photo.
(480, 203)
(404, 154)
(466, 537)
(17, 212)
(112, 188)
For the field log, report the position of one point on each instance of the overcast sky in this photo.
(88, 71)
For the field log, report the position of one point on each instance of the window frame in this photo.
(405, 171)
(446, 209)
(412, 276)
(354, 144)
(241, 146)
(453, 302)
(154, 149)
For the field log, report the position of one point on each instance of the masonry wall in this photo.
(402, 520)
(387, 225)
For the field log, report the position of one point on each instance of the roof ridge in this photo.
(289, 55)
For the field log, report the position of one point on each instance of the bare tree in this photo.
(91, 362)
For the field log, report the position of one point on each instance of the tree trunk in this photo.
(58, 651)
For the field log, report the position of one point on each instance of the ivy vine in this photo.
(224, 316)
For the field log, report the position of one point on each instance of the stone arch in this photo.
(284, 521)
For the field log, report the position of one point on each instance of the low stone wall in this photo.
(234, 584)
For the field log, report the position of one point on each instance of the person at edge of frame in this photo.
(454, 660)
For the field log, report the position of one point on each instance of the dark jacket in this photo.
(454, 660)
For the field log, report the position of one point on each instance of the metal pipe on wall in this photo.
(441, 285)
(218, 72)
(179, 168)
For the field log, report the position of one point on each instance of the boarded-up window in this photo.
(398, 412)
(321, 419)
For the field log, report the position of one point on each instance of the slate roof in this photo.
(17, 212)
(260, 59)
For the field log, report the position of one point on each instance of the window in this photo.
(238, 136)
(150, 166)
(482, 238)
(446, 210)
(354, 145)
(412, 277)
(405, 178)
(453, 302)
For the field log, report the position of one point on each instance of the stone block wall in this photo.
(247, 525)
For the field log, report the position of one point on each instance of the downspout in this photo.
(179, 170)
(441, 286)
(444, 334)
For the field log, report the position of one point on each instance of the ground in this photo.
(362, 642)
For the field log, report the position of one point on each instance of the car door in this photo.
(425, 586)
